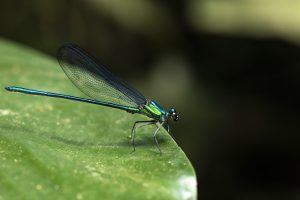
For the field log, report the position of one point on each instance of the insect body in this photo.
(104, 89)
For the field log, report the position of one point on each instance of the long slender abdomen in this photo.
(69, 97)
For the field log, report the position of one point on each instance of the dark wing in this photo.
(94, 80)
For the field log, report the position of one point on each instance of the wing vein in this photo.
(94, 80)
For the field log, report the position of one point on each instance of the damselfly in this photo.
(105, 89)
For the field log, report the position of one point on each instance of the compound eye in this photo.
(173, 114)
(176, 118)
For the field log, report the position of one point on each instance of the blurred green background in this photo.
(230, 67)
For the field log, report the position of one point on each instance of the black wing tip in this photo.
(63, 48)
(67, 46)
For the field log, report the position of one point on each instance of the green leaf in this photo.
(57, 149)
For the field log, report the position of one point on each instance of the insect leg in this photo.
(168, 127)
(155, 139)
(135, 126)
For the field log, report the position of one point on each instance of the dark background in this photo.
(231, 69)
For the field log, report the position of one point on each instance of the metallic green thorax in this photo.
(153, 110)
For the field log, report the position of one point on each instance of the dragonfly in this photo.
(105, 89)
